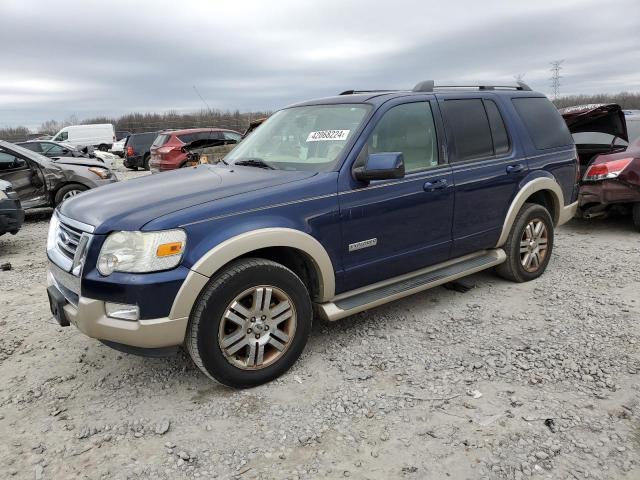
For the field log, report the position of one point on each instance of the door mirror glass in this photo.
(381, 166)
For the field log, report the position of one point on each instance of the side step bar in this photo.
(364, 298)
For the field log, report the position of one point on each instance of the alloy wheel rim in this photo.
(70, 194)
(534, 245)
(257, 328)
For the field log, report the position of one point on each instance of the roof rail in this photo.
(430, 86)
(352, 92)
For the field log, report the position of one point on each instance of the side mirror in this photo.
(381, 166)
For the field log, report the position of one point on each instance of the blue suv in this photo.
(332, 206)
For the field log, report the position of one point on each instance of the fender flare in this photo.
(531, 187)
(239, 245)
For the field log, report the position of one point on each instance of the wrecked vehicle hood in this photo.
(87, 162)
(598, 117)
(132, 204)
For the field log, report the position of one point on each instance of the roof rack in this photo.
(352, 92)
(430, 86)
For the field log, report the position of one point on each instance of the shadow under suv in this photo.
(334, 205)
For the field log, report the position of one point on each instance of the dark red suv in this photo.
(168, 152)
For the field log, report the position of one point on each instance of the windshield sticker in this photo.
(328, 135)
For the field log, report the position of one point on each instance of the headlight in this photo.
(103, 173)
(141, 252)
(53, 231)
(3, 195)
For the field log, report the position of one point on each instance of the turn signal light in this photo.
(168, 249)
(603, 171)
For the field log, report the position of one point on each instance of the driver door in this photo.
(26, 179)
(392, 227)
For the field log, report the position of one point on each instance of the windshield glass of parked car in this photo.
(301, 138)
(10, 147)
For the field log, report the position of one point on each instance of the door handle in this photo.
(515, 168)
(435, 185)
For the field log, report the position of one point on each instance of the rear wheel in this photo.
(145, 162)
(103, 147)
(529, 244)
(250, 324)
(69, 191)
(636, 215)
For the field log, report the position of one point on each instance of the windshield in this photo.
(301, 138)
(23, 151)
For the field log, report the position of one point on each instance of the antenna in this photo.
(556, 66)
(201, 98)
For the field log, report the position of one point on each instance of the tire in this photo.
(514, 269)
(103, 147)
(237, 364)
(68, 191)
(636, 216)
(145, 162)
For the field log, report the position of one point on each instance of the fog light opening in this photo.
(122, 311)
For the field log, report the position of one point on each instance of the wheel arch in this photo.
(544, 191)
(296, 250)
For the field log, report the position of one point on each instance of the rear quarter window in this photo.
(546, 127)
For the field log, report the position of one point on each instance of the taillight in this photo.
(130, 151)
(603, 171)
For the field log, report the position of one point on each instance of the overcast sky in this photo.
(89, 58)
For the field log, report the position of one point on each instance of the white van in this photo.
(100, 136)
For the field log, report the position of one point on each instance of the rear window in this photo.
(546, 127)
(192, 137)
(161, 139)
(469, 125)
(142, 139)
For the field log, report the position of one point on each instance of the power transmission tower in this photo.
(556, 66)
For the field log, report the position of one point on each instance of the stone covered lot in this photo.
(536, 380)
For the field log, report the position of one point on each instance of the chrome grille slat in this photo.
(70, 245)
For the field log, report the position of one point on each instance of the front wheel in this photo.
(68, 191)
(250, 323)
(529, 244)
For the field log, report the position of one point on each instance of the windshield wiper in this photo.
(254, 162)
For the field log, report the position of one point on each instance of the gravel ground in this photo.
(507, 380)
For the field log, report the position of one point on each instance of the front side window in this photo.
(9, 161)
(62, 136)
(52, 150)
(301, 138)
(469, 125)
(409, 129)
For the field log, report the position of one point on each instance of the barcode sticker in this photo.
(328, 135)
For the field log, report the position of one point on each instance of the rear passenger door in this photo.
(486, 170)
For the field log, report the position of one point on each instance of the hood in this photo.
(132, 204)
(87, 162)
(599, 117)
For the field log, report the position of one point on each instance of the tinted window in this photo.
(142, 139)
(8, 161)
(498, 130)
(409, 129)
(470, 128)
(33, 146)
(52, 150)
(546, 127)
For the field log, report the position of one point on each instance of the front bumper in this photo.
(90, 317)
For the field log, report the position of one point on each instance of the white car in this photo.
(101, 136)
(118, 147)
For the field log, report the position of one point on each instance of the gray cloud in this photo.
(72, 57)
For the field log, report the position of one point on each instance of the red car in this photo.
(610, 167)
(168, 150)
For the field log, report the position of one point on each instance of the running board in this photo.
(364, 298)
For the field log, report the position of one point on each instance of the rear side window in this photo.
(161, 139)
(142, 139)
(498, 130)
(469, 126)
(546, 127)
(232, 136)
(33, 146)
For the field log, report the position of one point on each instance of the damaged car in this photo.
(11, 212)
(609, 165)
(43, 182)
(209, 150)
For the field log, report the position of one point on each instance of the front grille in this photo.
(68, 239)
